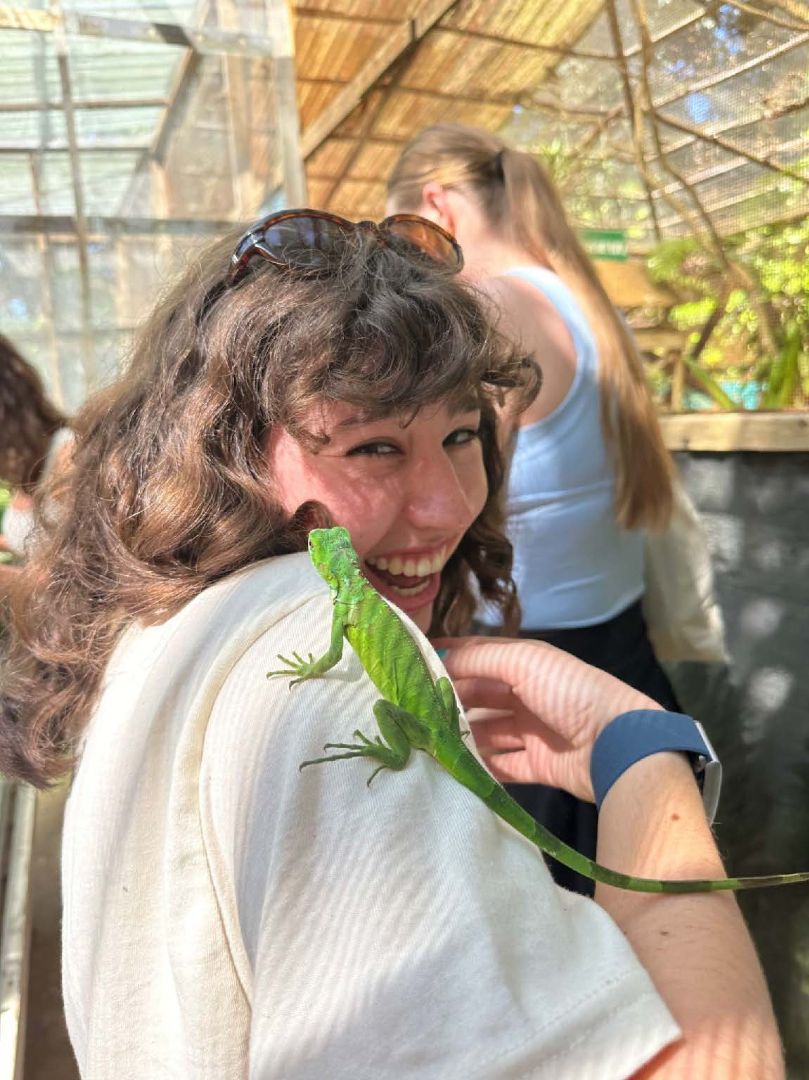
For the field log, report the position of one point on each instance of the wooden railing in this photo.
(17, 811)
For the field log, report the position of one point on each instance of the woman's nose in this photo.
(436, 496)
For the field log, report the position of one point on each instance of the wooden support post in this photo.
(287, 121)
(88, 359)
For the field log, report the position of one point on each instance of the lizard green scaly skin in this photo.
(419, 712)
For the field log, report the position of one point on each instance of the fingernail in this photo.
(441, 652)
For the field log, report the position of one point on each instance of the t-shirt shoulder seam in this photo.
(602, 990)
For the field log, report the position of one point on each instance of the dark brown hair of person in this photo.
(28, 420)
(168, 489)
(519, 199)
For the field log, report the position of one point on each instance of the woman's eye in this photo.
(462, 436)
(372, 449)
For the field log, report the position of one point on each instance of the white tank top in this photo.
(573, 564)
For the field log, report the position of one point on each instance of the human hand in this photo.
(536, 710)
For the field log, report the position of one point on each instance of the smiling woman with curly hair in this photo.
(226, 916)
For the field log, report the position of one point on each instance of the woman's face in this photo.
(407, 494)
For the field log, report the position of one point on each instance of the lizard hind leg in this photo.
(451, 713)
(392, 751)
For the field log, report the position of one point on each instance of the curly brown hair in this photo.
(168, 488)
(28, 420)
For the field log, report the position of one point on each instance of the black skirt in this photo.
(620, 646)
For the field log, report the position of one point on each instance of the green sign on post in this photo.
(605, 244)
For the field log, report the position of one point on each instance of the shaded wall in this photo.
(755, 507)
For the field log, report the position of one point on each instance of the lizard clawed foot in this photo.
(378, 769)
(375, 749)
(332, 757)
(303, 669)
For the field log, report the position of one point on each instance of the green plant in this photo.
(5, 499)
(747, 321)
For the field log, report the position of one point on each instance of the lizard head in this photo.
(333, 555)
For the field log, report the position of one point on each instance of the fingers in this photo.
(511, 769)
(495, 735)
(481, 693)
(569, 695)
(507, 730)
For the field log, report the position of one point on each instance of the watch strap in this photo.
(638, 734)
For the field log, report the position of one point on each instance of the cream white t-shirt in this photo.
(227, 916)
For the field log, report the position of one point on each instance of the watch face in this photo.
(708, 769)
(711, 787)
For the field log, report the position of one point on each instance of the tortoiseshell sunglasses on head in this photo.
(311, 241)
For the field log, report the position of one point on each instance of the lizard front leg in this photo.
(311, 668)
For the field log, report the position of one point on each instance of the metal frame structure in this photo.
(320, 95)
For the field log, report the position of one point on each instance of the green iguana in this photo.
(419, 712)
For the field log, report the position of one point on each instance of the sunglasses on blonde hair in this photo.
(312, 241)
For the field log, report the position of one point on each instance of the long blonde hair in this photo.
(518, 198)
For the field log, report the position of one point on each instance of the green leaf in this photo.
(710, 386)
(784, 373)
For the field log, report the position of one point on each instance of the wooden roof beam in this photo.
(633, 111)
(64, 225)
(287, 116)
(716, 140)
(534, 99)
(183, 83)
(87, 338)
(735, 125)
(87, 103)
(683, 24)
(562, 51)
(31, 146)
(740, 69)
(303, 12)
(726, 167)
(767, 16)
(402, 38)
(737, 200)
(207, 40)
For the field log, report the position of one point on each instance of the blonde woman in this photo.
(589, 471)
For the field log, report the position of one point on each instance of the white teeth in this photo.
(421, 567)
(412, 590)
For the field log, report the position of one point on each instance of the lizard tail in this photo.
(465, 767)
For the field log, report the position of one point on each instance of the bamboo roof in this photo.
(658, 117)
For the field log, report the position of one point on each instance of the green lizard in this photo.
(422, 713)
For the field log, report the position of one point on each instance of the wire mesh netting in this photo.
(132, 131)
(118, 157)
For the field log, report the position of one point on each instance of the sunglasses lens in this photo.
(306, 243)
(423, 238)
(314, 242)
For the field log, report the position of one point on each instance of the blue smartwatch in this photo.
(638, 734)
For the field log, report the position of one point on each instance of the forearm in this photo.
(695, 947)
